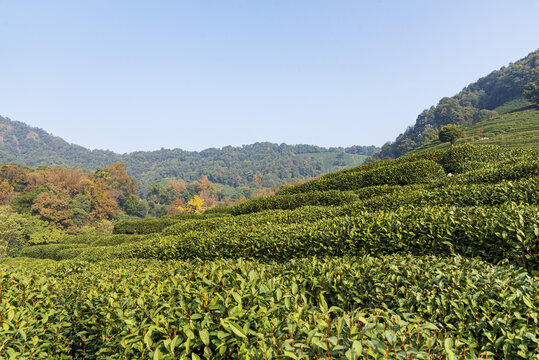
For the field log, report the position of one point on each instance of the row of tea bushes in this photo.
(492, 233)
(53, 251)
(492, 173)
(96, 239)
(457, 191)
(150, 226)
(523, 191)
(288, 202)
(460, 159)
(396, 306)
(70, 246)
(403, 173)
(467, 157)
(315, 198)
(304, 214)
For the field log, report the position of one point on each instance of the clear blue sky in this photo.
(141, 75)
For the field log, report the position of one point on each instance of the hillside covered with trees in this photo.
(498, 93)
(260, 165)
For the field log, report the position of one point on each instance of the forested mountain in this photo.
(479, 101)
(259, 165)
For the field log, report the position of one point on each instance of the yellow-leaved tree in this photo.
(194, 206)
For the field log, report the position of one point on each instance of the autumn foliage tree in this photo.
(5, 190)
(52, 207)
(15, 175)
(103, 205)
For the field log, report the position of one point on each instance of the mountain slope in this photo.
(273, 164)
(489, 96)
(22, 144)
(516, 129)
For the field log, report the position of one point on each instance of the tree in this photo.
(531, 91)
(17, 231)
(5, 190)
(134, 206)
(177, 186)
(177, 207)
(159, 195)
(54, 209)
(15, 175)
(450, 133)
(194, 206)
(103, 206)
(118, 178)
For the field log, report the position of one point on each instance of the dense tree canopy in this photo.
(450, 133)
(531, 91)
(70, 199)
(233, 167)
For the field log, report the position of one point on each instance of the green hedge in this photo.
(524, 191)
(404, 173)
(52, 251)
(141, 227)
(493, 233)
(73, 245)
(316, 198)
(466, 157)
(288, 202)
(497, 172)
(305, 214)
(150, 226)
(397, 306)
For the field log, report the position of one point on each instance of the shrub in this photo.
(150, 226)
(466, 157)
(494, 234)
(350, 307)
(396, 173)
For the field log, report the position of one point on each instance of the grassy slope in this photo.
(516, 129)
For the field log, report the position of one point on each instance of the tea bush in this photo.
(287, 202)
(397, 306)
(150, 226)
(316, 198)
(492, 233)
(401, 173)
(525, 191)
(466, 157)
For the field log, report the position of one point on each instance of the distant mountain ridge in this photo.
(229, 166)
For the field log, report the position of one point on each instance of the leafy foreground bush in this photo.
(396, 306)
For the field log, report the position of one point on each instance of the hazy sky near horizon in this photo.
(130, 75)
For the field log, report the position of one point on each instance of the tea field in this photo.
(433, 255)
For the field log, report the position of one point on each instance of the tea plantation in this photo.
(433, 255)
